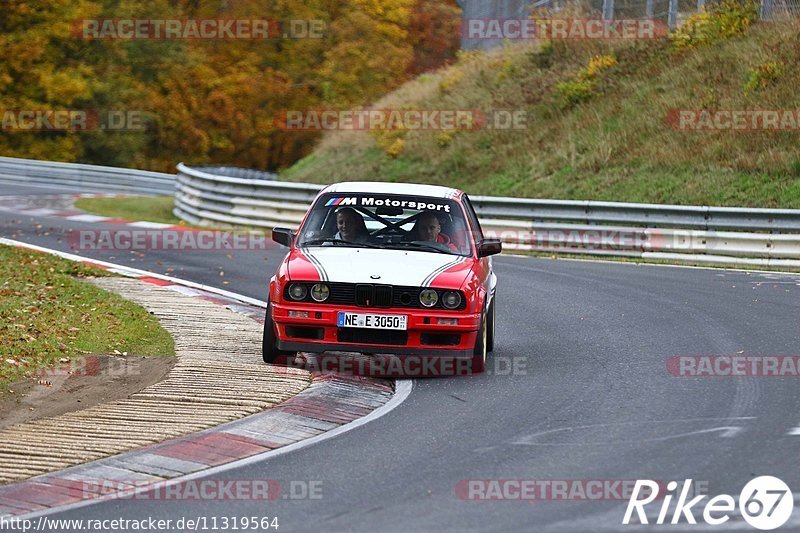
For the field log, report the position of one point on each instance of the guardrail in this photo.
(646, 215)
(212, 199)
(224, 196)
(694, 234)
(91, 177)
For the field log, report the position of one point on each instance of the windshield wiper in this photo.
(317, 242)
(422, 245)
(331, 240)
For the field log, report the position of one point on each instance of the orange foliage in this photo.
(208, 102)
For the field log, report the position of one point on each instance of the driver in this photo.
(428, 228)
(350, 226)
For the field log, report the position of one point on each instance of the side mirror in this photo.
(489, 247)
(283, 236)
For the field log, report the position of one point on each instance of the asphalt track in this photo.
(589, 397)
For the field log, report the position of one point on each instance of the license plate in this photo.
(370, 321)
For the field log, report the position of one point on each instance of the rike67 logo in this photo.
(765, 503)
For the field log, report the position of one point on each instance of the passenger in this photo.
(428, 228)
(351, 226)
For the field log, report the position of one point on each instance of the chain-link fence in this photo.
(670, 12)
(495, 9)
(773, 9)
(674, 11)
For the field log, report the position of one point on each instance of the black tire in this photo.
(479, 352)
(490, 331)
(269, 349)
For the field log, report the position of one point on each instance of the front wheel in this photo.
(490, 332)
(269, 343)
(479, 352)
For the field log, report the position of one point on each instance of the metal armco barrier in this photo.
(694, 234)
(213, 199)
(90, 177)
(647, 215)
(682, 245)
(223, 196)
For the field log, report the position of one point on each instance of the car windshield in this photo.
(387, 221)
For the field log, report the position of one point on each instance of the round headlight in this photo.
(451, 299)
(298, 291)
(320, 292)
(428, 297)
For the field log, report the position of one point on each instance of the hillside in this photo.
(597, 128)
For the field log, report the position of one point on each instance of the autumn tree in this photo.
(433, 32)
(208, 101)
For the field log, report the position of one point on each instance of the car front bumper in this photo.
(319, 332)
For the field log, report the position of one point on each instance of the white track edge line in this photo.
(402, 390)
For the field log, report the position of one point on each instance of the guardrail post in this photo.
(765, 10)
(672, 17)
(608, 9)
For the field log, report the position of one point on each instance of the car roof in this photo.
(381, 187)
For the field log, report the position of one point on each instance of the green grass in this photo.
(48, 313)
(614, 146)
(145, 208)
(149, 208)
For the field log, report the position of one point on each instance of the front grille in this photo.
(342, 293)
(383, 295)
(373, 295)
(440, 339)
(365, 295)
(373, 336)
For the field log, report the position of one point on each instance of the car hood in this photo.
(394, 267)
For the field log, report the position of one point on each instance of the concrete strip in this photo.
(172, 461)
(150, 463)
(202, 363)
(195, 395)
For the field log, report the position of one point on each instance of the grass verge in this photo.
(47, 313)
(148, 208)
(613, 141)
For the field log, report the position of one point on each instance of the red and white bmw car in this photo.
(384, 268)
